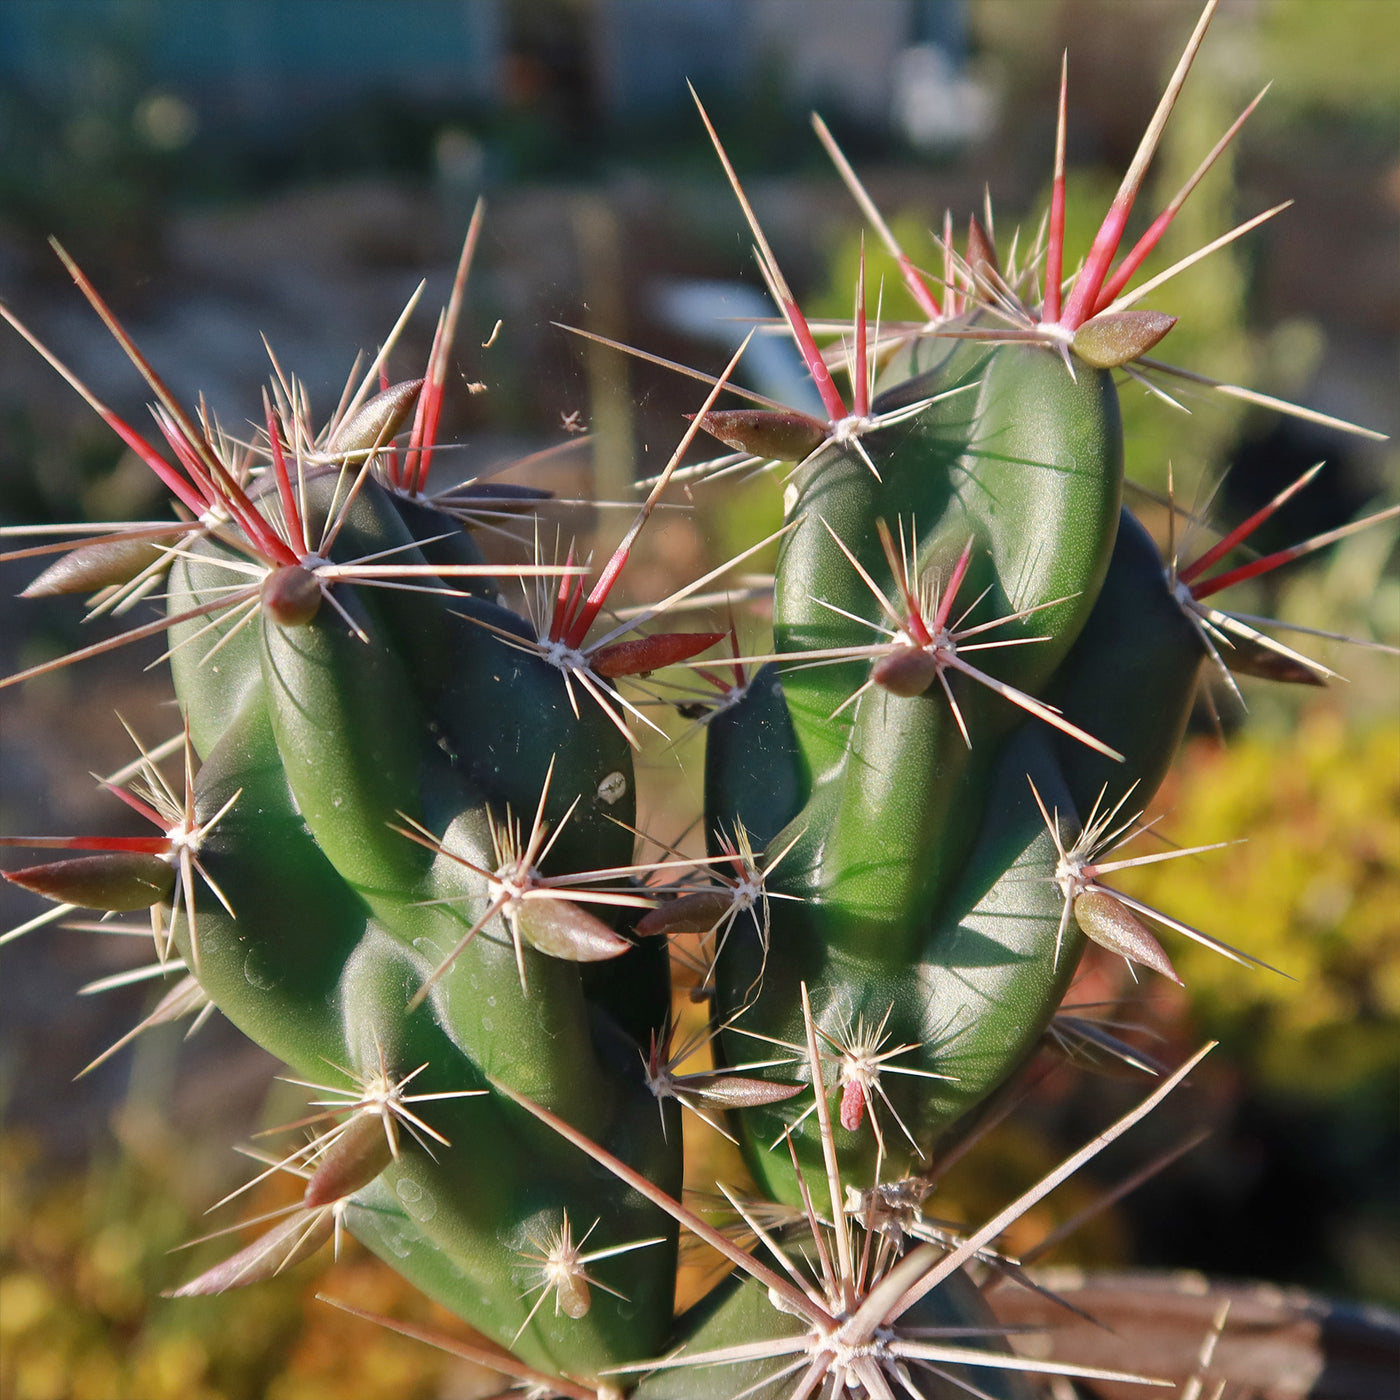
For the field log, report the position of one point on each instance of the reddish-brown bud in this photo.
(784, 435)
(563, 929)
(91, 567)
(291, 595)
(290, 1241)
(690, 913)
(906, 671)
(354, 1157)
(641, 655)
(982, 258)
(377, 420)
(1246, 657)
(1113, 926)
(735, 1091)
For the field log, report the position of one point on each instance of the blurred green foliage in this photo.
(84, 1254)
(1314, 891)
(1337, 56)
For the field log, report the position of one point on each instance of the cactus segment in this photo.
(969, 992)
(754, 774)
(1030, 445)
(1131, 677)
(900, 779)
(306, 970)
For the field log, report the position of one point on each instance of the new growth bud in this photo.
(1117, 337)
(118, 881)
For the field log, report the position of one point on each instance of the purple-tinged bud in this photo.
(119, 881)
(1115, 337)
(1113, 926)
(291, 595)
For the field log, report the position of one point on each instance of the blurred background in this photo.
(229, 169)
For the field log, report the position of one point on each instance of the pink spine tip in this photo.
(950, 592)
(1055, 240)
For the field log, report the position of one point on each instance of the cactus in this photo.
(403, 854)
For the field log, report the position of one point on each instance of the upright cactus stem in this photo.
(404, 853)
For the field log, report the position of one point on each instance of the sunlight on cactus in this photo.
(404, 853)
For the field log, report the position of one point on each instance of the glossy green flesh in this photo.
(925, 871)
(333, 741)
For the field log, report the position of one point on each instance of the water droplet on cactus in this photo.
(256, 971)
